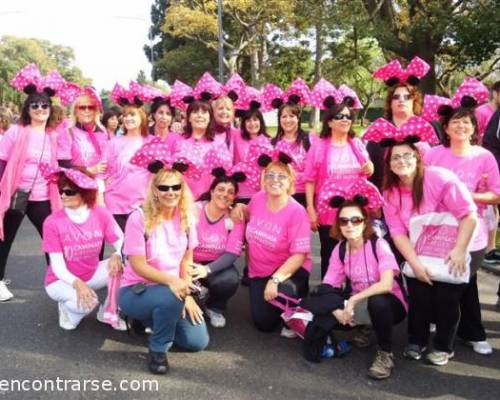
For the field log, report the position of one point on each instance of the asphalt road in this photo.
(240, 362)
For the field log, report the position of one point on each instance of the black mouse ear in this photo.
(411, 139)
(29, 89)
(49, 91)
(188, 99)
(284, 158)
(219, 172)
(348, 101)
(468, 102)
(336, 201)
(255, 105)
(180, 166)
(123, 101)
(239, 177)
(445, 110)
(233, 95)
(361, 200)
(294, 99)
(387, 142)
(413, 80)
(393, 81)
(155, 166)
(138, 102)
(277, 103)
(264, 160)
(329, 102)
(240, 113)
(206, 96)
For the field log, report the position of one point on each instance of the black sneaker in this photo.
(158, 363)
(492, 257)
(414, 351)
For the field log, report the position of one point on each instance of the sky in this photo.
(107, 36)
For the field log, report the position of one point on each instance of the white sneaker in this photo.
(120, 326)
(217, 320)
(482, 347)
(5, 294)
(288, 333)
(64, 320)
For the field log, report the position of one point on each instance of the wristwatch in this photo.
(275, 280)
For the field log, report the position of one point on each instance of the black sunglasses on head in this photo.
(166, 188)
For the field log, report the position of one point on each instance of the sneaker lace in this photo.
(382, 360)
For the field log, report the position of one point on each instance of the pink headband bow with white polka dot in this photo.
(156, 155)
(393, 73)
(29, 80)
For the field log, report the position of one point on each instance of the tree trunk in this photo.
(314, 117)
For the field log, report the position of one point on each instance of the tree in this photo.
(246, 24)
(462, 31)
(16, 52)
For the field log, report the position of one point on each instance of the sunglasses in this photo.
(404, 97)
(166, 188)
(341, 116)
(36, 106)
(86, 108)
(355, 221)
(68, 192)
(271, 176)
(404, 156)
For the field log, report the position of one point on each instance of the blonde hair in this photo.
(222, 100)
(152, 209)
(97, 112)
(287, 168)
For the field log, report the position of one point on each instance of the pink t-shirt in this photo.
(443, 192)
(241, 147)
(299, 154)
(478, 170)
(336, 163)
(195, 150)
(363, 272)
(126, 184)
(80, 243)
(164, 248)
(83, 152)
(216, 238)
(483, 115)
(273, 237)
(30, 170)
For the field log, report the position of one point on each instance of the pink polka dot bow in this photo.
(250, 99)
(363, 192)
(324, 95)
(272, 97)
(181, 95)
(414, 130)
(146, 93)
(156, 155)
(393, 73)
(218, 158)
(51, 174)
(469, 94)
(282, 152)
(234, 87)
(30, 80)
(207, 88)
(298, 93)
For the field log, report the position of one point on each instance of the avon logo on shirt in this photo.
(264, 232)
(436, 240)
(212, 242)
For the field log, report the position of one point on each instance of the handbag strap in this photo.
(287, 299)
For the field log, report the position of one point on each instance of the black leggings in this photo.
(265, 316)
(327, 245)
(37, 212)
(221, 286)
(439, 303)
(385, 311)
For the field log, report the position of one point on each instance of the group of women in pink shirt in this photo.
(179, 208)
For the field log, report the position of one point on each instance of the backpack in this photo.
(373, 240)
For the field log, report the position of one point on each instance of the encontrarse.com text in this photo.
(77, 385)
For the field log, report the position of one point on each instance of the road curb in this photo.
(494, 269)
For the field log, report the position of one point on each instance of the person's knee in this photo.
(378, 304)
(225, 281)
(199, 344)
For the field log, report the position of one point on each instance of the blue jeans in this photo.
(158, 308)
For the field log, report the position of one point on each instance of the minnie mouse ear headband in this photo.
(207, 88)
(469, 94)
(362, 192)
(234, 87)
(297, 94)
(393, 73)
(29, 80)
(414, 130)
(156, 155)
(136, 94)
(181, 95)
(324, 96)
(282, 153)
(51, 174)
(250, 99)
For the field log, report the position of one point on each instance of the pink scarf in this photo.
(12, 174)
